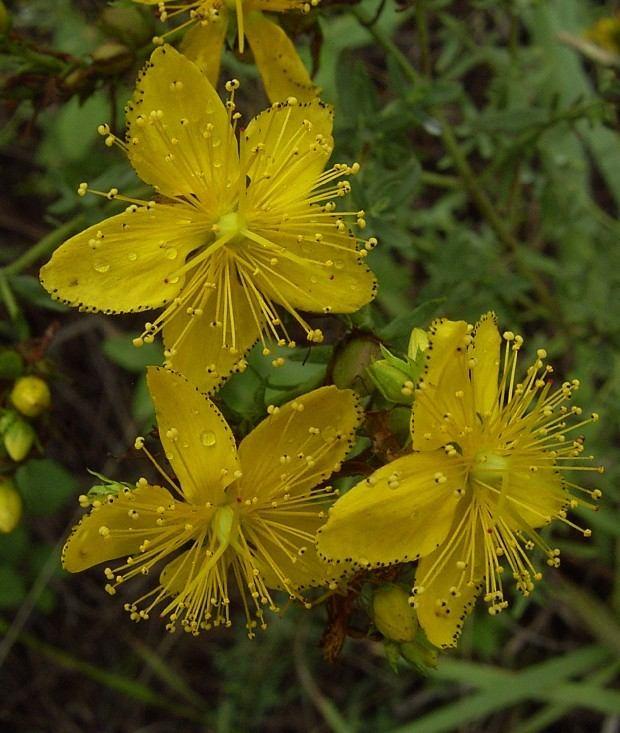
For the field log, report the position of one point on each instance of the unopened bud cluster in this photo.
(23, 399)
(396, 377)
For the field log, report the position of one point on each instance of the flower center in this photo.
(225, 525)
(488, 468)
(231, 224)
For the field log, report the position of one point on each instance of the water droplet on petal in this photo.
(132, 256)
(171, 253)
(339, 264)
(207, 438)
(329, 434)
(101, 266)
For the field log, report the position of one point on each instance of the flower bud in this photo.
(393, 615)
(419, 656)
(351, 361)
(31, 396)
(391, 377)
(418, 343)
(111, 58)
(18, 439)
(10, 506)
(5, 19)
(127, 24)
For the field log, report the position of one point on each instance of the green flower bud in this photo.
(127, 24)
(393, 615)
(31, 396)
(5, 19)
(418, 343)
(419, 656)
(392, 379)
(18, 439)
(111, 58)
(351, 362)
(10, 506)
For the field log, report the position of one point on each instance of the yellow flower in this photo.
(486, 471)
(245, 517)
(282, 71)
(606, 34)
(233, 233)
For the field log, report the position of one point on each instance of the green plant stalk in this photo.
(43, 247)
(421, 18)
(7, 297)
(114, 681)
(467, 174)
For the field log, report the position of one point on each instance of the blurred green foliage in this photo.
(491, 177)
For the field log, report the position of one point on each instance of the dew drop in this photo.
(329, 434)
(171, 253)
(339, 264)
(132, 256)
(207, 438)
(101, 266)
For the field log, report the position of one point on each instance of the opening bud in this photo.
(393, 615)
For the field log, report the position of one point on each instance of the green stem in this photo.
(43, 247)
(7, 296)
(469, 178)
(388, 44)
(466, 172)
(421, 17)
(439, 180)
(114, 681)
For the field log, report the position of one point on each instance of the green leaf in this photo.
(11, 364)
(29, 289)
(45, 485)
(121, 351)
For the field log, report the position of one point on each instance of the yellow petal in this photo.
(300, 445)
(485, 372)
(87, 546)
(180, 139)
(446, 338)
(125, 263)
(286, 136)
(293, 563)
(402, 512)
(179, 575)
(197, 440)
(203, 348)
(319, 278)
(203, 44)
(437, 415)
(450, 596)
(531, 500)
(283, 72)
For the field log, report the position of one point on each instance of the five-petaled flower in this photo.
(238, 232)
(245, 517)
(486, 472)
(282, 71)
